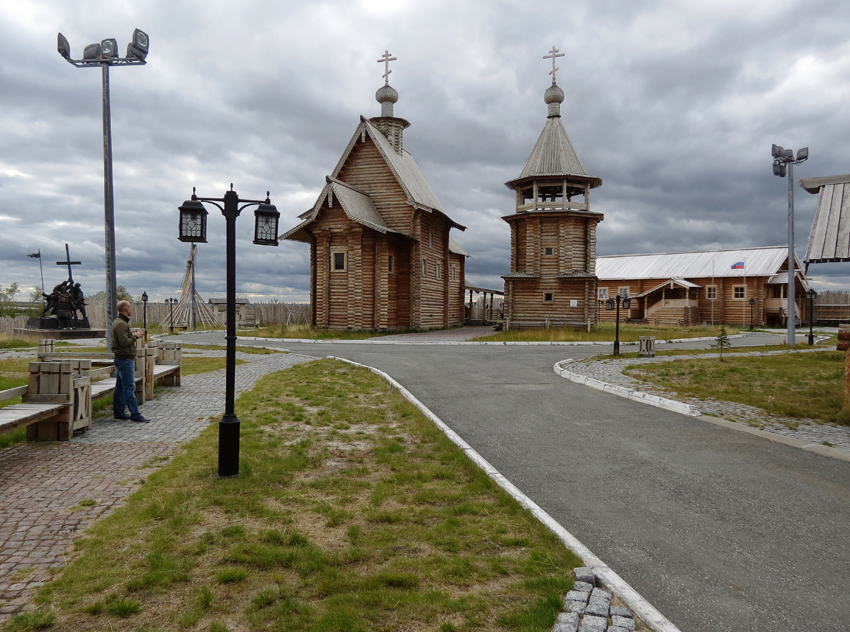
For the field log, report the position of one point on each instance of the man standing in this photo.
(124, 348)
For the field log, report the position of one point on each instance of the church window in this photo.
(739, 291)
(711, 292)
(623, 291)
(424, 267)
(549, 250)
(527, 196)
(390, 264)
(339, 261)
(603, 294)
(439, 270)
(430, 239)
(454, 273)
(548, 297)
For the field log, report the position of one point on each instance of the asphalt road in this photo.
(718, 529)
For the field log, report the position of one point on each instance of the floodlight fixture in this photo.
(803, 154)
(91, 52)
(138, 47)
(109, 48)
(63, 47)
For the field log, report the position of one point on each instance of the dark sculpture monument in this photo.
(64, 314)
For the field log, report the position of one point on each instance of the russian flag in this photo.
(738, 266)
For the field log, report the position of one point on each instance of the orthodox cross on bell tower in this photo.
(69, 263)
(553, 55)
(386, 59)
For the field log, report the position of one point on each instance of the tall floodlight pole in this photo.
(782, 159)
(104, 55)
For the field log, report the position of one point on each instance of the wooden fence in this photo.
(264, 313)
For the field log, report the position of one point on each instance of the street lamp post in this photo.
(193, 228)
(171, 302)
(811, 295)
(782, 159)
(609, 305)
(145, 312)
(104, 55)
(752, 303)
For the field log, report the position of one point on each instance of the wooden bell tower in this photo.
(553, 231)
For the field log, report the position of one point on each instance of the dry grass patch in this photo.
(604, 332)
(351, 513)
(795, 385)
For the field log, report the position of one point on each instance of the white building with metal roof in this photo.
(738, 286)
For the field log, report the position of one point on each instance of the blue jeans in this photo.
(125, 388)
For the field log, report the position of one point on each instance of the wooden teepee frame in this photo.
(192, 306)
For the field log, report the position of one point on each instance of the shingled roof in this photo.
(554, 155)
(403, 167)
(357, 205)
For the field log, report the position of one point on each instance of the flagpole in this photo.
(715, 292)
(744, 304)
(37, 255)
(41, 267)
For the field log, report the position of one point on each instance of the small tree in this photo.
(7, 300)
(722, 342)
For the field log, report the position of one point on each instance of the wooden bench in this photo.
(57, 399)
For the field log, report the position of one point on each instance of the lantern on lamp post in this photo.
(193, 228)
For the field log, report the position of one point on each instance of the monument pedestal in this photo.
(58, 334)
(59, 328)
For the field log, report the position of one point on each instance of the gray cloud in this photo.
(674, 106)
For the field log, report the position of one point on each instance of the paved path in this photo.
(42, 484)
(718, 529)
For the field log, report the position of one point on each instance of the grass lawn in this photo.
(796, 385)
(604, 332)
(351, 513)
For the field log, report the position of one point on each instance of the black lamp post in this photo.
(193, 228)
(145, 312)
(171, 302)
(811, 295)
(752, 303)
(609, 305)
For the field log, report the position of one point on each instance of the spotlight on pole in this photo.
(783, 162)
(104, 55)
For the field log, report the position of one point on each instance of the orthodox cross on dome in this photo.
(553, 55)
(386, 59)
(68, 263)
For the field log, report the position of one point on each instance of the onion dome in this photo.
(386, 96)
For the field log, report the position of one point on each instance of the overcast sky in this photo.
(673, 104)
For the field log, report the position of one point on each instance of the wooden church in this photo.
(381, 253)
(553, 231)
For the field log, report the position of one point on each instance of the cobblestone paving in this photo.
(611, 371)
(42, 484)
